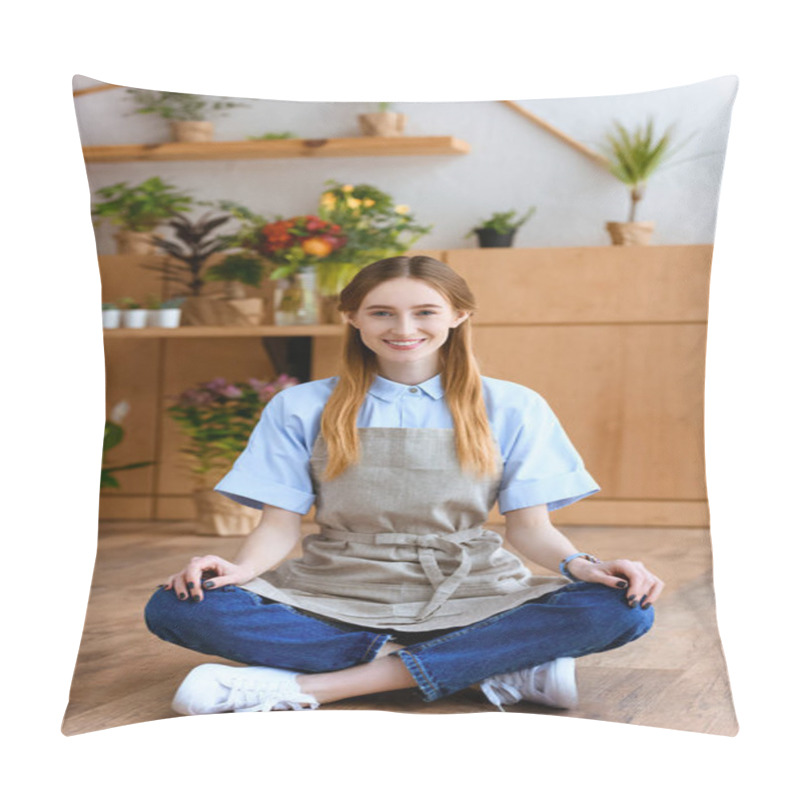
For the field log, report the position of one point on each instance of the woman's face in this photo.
(405, 321)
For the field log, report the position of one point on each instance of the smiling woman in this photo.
(405, 321)
(403, 454)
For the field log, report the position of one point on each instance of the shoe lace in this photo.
(498, 692)
(247, 696)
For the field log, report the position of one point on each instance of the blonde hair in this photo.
(461, 380)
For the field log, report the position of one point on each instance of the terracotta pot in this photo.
(630, 233)
(134, 243)
(382, 123)
(193, 131)
(219, 516)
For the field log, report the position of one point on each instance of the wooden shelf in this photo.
(230, 331)
(278, 148)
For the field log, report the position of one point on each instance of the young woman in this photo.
(403, 455)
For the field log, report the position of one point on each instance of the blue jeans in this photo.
(236, 624)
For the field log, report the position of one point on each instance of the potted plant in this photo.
(138, 210)
(372, 225)
(164, 313)
(293, 247)
(382, 122)
(499, 229)
(190, 261)
(112, 437)
(188, 114)
(133, 315)
(236, 271)
(633, 157)
(111, 315)
(217, 417)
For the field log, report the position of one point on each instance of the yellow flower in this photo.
(368, 201)
(353, 202)
(327, 200)
(347, 188)
(401, 209)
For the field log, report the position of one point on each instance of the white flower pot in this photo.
(134, 318)
(165, 318)
(111, 317)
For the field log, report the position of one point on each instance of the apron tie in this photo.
(428, 545)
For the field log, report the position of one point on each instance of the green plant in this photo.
(634, 155)
(503, 222)
(152, 302)
(244, 268)
(140, 208)
(173, 302)
(194, 247)
(218, 417)
(128, 303)
(179, 106)
(110, 306)
(374, 227)
(287, 244)
(384, 107)
(112, 437)
(269, 136)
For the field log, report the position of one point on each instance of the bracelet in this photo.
(563, 567)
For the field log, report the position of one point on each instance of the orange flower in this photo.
(317, 247)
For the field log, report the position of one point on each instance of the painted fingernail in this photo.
(208, 585)
(182, 596)
(190, 586)
(632, 602)
(622, 584)
(195, 598)
(645, 606)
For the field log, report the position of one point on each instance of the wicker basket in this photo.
(219, 516)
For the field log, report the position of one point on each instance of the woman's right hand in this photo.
(206, 572)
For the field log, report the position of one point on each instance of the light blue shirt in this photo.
(540, 463)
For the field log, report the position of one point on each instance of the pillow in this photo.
(603, 316)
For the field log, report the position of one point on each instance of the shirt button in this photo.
(413, 389)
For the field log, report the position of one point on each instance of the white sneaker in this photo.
(551, 684)
(212, 688)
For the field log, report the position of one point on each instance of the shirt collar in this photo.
(387, 390)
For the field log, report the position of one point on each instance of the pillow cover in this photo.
(602, 285)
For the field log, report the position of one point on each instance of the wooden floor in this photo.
(674, 677)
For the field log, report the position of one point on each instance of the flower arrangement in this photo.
(374, 227)
(287, 244)
(218, 417)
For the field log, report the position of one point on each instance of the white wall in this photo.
(512, 164)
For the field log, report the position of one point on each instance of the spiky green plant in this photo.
(634, 155)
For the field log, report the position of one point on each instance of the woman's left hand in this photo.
(643, 587)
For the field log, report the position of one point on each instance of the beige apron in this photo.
(401, 544)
